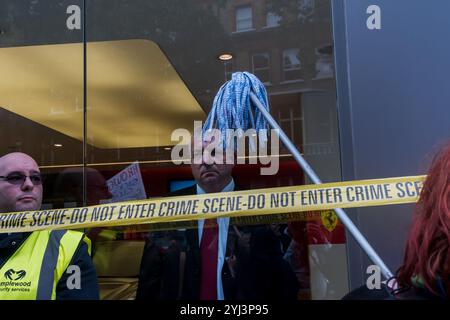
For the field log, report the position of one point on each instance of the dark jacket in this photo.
(259, 273)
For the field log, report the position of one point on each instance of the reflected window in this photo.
(324, 62)
(305, 9)
(261, 66)
(272, 20)
(291, 64)
(228, 65)
(244, 19)
(288, 112)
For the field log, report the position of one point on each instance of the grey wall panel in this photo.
(393, 104)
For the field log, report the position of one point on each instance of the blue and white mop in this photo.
(232, 109)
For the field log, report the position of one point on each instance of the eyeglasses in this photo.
(19, 178)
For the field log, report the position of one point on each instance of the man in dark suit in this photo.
(215, 260)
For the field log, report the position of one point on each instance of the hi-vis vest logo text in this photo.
(15, 275)
(13, 283)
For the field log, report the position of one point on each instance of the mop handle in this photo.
(312, 175)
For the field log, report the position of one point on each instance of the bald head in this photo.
(15, 156)
(16, 195)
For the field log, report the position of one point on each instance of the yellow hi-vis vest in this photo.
(34, 270)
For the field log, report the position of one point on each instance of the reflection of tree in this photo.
(291, 11)
(305, 13)
(187, 31)
(309, 21)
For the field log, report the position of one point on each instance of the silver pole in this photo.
(313, 176)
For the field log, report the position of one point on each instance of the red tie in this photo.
(209, 255)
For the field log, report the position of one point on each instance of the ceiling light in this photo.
(58, 145)
(226, 56)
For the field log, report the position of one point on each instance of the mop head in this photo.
(233, 108)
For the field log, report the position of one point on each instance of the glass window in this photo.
(261, 66)
(244, 18)
(305, 9)
(324, 62)
(41, 100)
(272, 19)
(154, 68)
(228, 69)
(291, 64)
(290, 116)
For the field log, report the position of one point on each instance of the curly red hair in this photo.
(427, 254)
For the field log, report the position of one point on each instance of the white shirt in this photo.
(223, 224)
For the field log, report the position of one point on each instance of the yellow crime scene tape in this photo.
(257, 202)
(280, 218)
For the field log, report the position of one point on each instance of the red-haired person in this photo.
(425, 271)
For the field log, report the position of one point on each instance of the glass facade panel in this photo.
(153, 67)
(41, 95)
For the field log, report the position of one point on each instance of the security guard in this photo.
(40, 265)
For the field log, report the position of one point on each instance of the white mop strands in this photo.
(232, 108)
